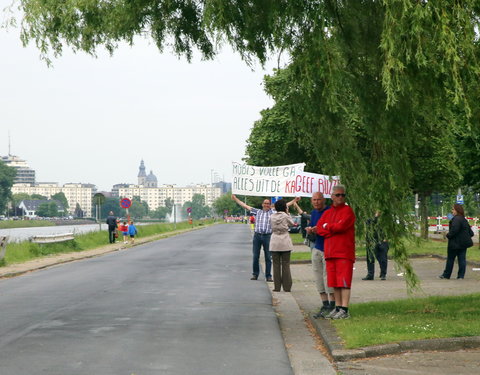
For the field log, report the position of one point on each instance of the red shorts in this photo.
(339, 273)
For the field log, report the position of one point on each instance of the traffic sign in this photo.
(189, 210)
(460, 199)
(125, 203)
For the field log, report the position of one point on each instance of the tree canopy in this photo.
(7, 174)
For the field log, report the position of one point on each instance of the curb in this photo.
(335, 347)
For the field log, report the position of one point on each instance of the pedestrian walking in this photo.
(124, 229)
(132, 231)
(112, 227)
(459, 240)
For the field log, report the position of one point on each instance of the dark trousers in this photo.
(259, 241)
(111, 234)
(462, 262)
(281, 270)
(379, 252)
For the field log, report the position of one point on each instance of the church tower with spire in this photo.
(142, 176)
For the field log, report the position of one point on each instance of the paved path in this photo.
(428, 269)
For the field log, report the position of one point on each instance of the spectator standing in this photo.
(112, 227)
(316, 244)
(459, 239)
(377, 248)
(281, 247)
(261, 236)
(337, 226)
(132, 231)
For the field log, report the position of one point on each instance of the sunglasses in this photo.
(340, 195)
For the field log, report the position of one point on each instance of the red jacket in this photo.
(339, 232)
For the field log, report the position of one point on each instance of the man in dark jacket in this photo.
(112, 226)
(377, 247)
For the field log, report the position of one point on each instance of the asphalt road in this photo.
(182, 305)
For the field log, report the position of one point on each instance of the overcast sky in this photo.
(92, 120)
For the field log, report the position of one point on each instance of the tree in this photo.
(43, 210)
(199, 210)
(139, 208)
(39, 197)
(225, 203)
(78, 213)
(160, 213)
(110, 204)
(62, 199)
(7, 174)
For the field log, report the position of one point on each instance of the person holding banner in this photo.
(281, 247)
(261, 236)
(337, 226)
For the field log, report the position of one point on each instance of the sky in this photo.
(92, 120)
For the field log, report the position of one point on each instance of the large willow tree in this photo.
(369, 84)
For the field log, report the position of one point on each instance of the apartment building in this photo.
(156, 196)
(74, 192)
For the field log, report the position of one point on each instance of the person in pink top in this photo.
(337, 226)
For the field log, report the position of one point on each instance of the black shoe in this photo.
(269, 280)
(254, 277)
(368, 277)
(443, 277)
(383, 277)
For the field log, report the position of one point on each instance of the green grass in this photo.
(9, 224)
(377, 323)
(23, 251)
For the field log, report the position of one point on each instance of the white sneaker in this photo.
(342, 314)
(332, 314)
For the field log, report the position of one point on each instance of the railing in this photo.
(52, 238)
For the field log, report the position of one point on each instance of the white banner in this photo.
(281, 181)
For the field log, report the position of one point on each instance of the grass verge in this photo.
(377, 323)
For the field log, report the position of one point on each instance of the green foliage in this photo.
(7, 174)
(199, 209)
(38, 196)
(225, 203)
(138, 209)
(160, 213)
(110, 204)
(43, 210)
(60, 197)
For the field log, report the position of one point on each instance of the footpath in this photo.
(459, 356)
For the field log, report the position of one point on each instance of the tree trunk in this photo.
(423, 216)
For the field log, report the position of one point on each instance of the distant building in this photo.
(155, 197)
(74, 192)
(25, 175)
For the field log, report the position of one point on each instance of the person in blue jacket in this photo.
(132, 231)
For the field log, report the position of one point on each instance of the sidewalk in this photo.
(441, 356)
